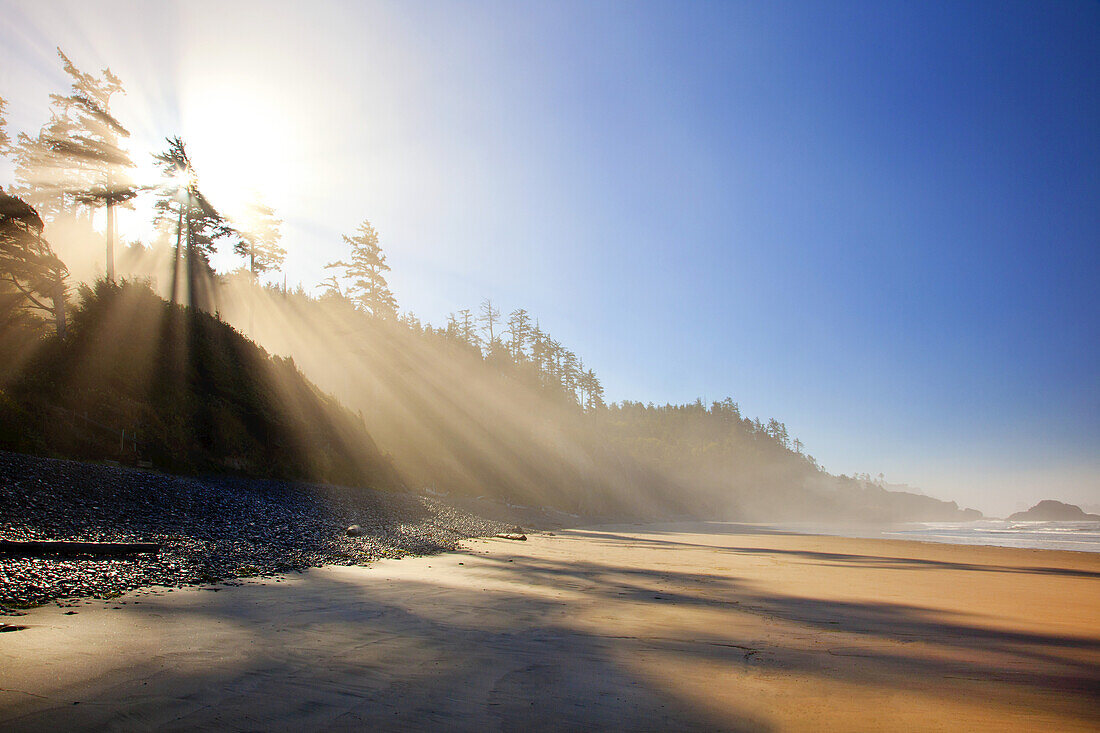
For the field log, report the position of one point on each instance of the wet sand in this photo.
(660, 627)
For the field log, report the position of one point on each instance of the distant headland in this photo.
(1050, 510)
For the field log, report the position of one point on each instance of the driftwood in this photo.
(36, 548)
(520, 537)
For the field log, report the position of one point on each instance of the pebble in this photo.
(210, 529)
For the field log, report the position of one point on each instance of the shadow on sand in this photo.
(505, 649)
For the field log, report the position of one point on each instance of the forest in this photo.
(142, 352)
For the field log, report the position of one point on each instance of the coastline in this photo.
(685, 626)
(1065, 536)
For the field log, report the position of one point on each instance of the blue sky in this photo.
(877, 222)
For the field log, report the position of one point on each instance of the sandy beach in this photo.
(657, 627)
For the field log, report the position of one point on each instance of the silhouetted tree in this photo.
(258, 239)
(33, 275)
(198, 223)
(364, 270)
(78, 158)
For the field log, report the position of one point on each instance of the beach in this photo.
(629, 627)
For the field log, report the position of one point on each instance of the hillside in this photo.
(137, 379)
(472, 419)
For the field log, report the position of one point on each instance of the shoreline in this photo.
(614, 626)
(869, 531)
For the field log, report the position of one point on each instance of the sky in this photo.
(877, 222)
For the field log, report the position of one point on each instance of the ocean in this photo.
(1080, 536)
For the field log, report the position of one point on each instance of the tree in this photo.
(540, 350)
(570, 372)
(592, 390)
(33, 275)
(367, 287)
(47, 179)
(465, 324)
(519, 332)
(489, 317)
(258, 238)
(557, 352)
(778, 431)
(78, 158)
(198, 223)
(331, 287)
(5, 141)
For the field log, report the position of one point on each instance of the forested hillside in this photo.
(139, 380)
(487, 404)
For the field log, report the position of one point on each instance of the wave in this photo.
(1081, 535)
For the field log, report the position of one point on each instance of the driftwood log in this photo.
(38, 548)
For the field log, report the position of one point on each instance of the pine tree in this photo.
(519, 332)
(78, 158)
(592, 390)
(488, 317)
(570, 373)
(258, 239)
(198, 224)
(32, 275)
(367, 287)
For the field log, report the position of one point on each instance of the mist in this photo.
(549, 366)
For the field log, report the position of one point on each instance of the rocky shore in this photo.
(208, 529)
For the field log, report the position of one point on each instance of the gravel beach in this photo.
(209, 529)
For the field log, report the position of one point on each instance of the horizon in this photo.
(885, 239)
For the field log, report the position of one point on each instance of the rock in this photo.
(208, 529)
(354, 531)
(38, 548)
(1049, 510)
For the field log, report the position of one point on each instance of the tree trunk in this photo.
(190, 251)
(252, 295)
(58, 297)
(110, 237)
(176, 259)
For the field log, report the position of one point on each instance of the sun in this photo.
(240, 141)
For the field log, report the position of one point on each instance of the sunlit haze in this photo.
(877, 222)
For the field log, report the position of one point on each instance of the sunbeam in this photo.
(687, 354)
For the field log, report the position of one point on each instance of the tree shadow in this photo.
(882, 561)
(507, 647)
(893, 644)
(835, 558)
(324, 653)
